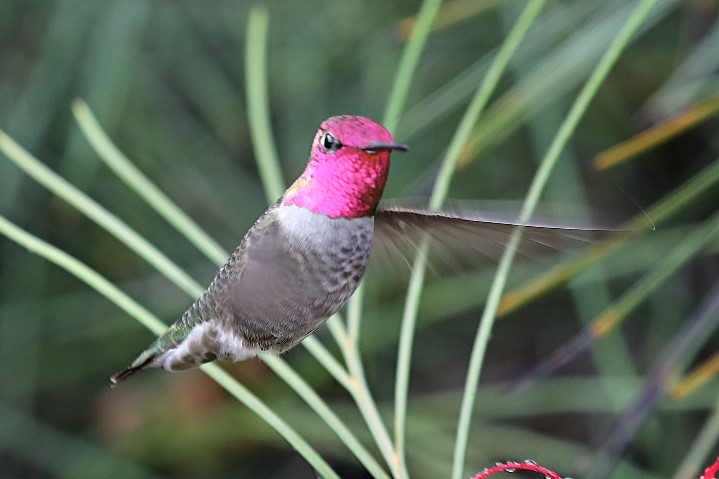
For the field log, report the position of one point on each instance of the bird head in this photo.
(347, 170)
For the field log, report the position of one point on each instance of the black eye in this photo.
(329, 142)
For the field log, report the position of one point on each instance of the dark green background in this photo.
(166, 80)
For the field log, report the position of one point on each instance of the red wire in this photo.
(529, 465)
(512, 466)
(711, 471)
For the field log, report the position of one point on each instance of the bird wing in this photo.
(291, 275)
(264, 294)
(463, 235)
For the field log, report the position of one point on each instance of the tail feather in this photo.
(188, 346)
(140, 363)
(184, 354)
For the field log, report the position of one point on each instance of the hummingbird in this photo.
(305, 256)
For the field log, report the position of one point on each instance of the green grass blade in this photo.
(395, 106)
(554, 24)
(666, 208)
(408, 63)
(699, 451)
(83, 273)
(368, 408)
(562, 72)
(540, 180)
(611, 356)
(258, 103)
(323, 356)
(684, 252)
(142, 186)
(406, 341)
(464, 129)
(224, 379)
(439, 193)
(354, 315)
(348, 341)
(441, 186)
(111, 223)
(323, 410)
(356, 385)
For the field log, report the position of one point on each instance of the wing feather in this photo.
(463, 236)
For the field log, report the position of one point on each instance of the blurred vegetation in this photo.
(166, 81)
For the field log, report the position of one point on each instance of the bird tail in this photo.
(175, 335)
(142, 361)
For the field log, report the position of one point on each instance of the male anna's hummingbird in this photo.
(305, 256)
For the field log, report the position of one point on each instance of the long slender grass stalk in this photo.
(287, 374)
(368, 408)
(82, 272)
(326, 359)
(362, 396)
(323, 410)
(395, 106)
(406, 341)
(258, 107)
(555, 24)
(224, 379)
(610, 357)
(487, 320)
(464, 129)
(90, 208)
(558, 75)
(658, 134)
(450, 14)
(660, 212)
(258, 102)
(349, 343)
(685, 251)
(693, 380)
(439, 193)
(354, 316)
(142, 186)
(700, 449)
(408, 63)
(695, 331)
(336, 327)
(144, 317)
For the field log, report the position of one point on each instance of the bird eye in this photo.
(329, 142)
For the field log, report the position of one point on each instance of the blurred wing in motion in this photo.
(462, 236)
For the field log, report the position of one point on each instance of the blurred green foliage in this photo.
(166, 80)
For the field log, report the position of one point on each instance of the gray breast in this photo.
(301, 270)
